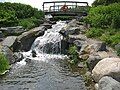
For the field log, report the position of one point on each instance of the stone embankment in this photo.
(101, 62)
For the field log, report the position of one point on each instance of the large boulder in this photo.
(25, 40)
(12, 30)
(108, 83)
(9, 41)
(107, 66)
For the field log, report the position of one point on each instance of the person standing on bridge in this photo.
(64, 8)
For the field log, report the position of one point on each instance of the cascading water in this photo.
(47, 46)
(50, 42)
(47, 70)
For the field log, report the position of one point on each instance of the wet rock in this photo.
(108, 83)
(33, 53)
(107, 66)
(9, 54)
(92, 61)
(25, 40)
(52, 22)
(9, 41)
(18, 56)
(12, 30)
(47, 25)
(63, 32)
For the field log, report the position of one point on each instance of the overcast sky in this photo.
(38, 3)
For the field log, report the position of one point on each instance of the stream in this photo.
(47, 70)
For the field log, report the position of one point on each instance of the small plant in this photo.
(4, 64)
(118, 52)
(74, 56)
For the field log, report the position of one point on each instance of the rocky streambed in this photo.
(43, 67)
(98, 64)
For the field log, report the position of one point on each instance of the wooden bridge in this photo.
(65, 8)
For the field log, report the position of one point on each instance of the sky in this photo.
(38, 3)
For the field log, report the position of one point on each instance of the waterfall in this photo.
(47, 46)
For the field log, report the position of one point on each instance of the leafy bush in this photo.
(4, 64)
(111, 39)
(73, 54)
(94, 32)
(13, 14)
(104, 16)
(104, 2)
(7, 18)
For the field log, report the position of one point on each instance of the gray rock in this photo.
(9, 54)
(73, 31)
(25, 40)
(78, 43)
(80, 65)
(108, 83)
(107, 67)
(9, 41)
(18, 56)
(12, 30)
(47, 25)
(100, 46)
(92, 61)
(1, 36)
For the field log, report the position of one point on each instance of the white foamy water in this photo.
(47, 46)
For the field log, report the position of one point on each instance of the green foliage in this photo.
(74, 56)
(94, 32)
(104, 2)
(13, 14)
(7, 18)
(118, 52)
(104, 16)
(4, 64)
(111, 39)
(29, 23)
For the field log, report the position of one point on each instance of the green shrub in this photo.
(4, 64)
(29, 22)
(111, 40)
(94, 32)
(74, 56)
(104, 16)
(14, 14)
(7, 18)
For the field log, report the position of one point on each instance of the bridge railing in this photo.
(72, 6)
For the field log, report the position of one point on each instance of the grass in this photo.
(4, 64)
